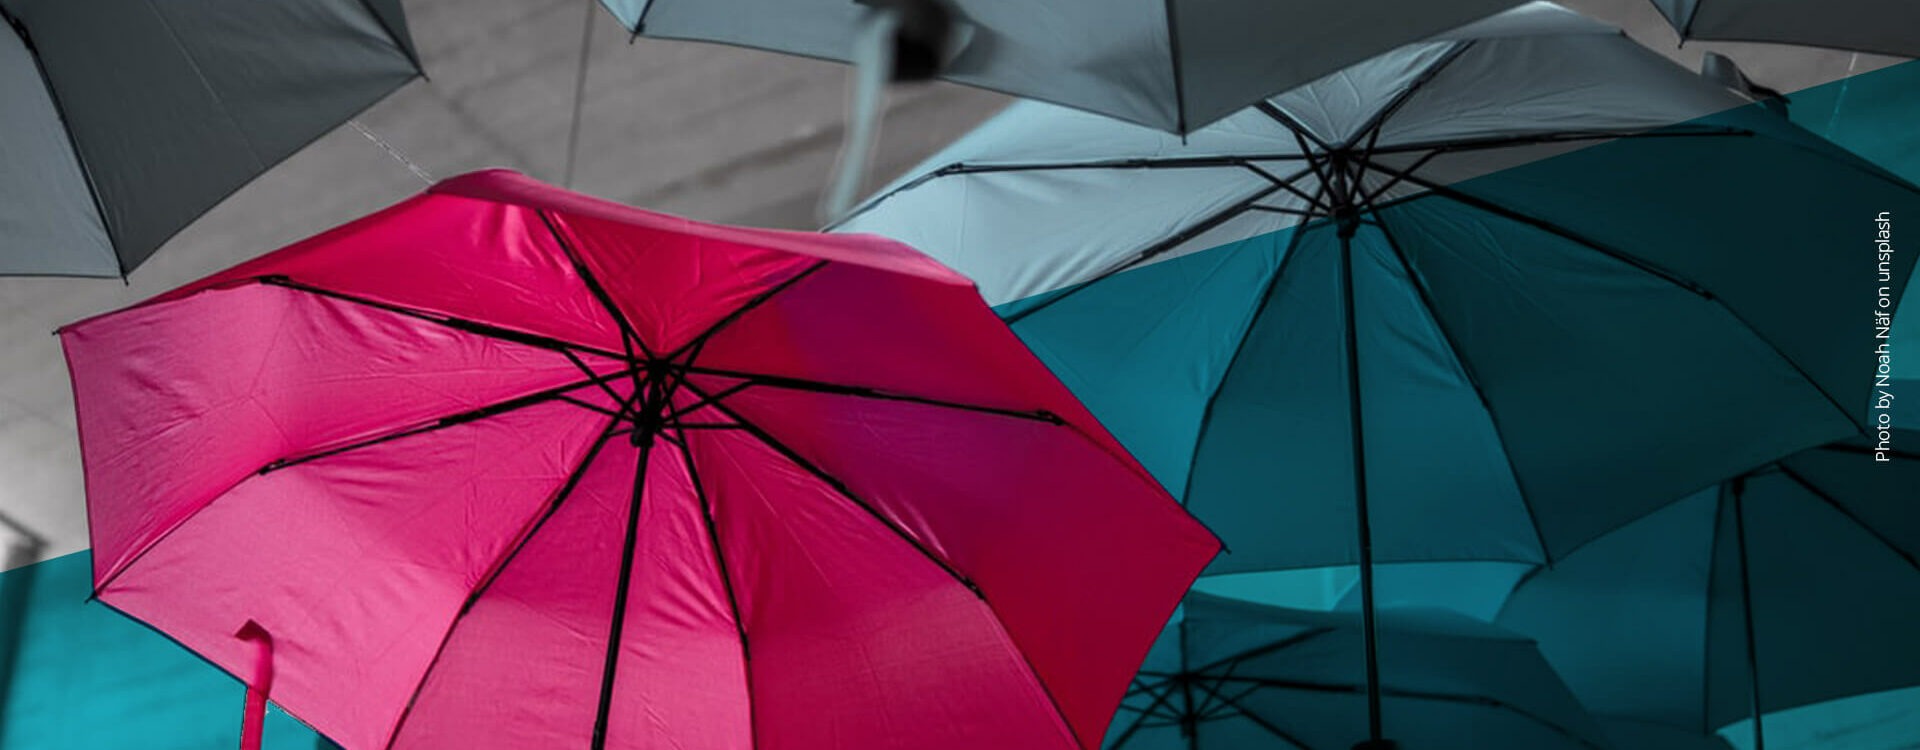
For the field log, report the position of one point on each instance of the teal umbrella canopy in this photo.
(1487, 297)
(1171, 65)
(121, 121)
(1888, 27)
(1794, 584)
(1433, 306)
(1234, 675)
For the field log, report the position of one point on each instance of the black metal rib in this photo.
(1216, 219)
(1260, 310)
(855, 391)
(726, 580)
(963, 168)
(1259, 651)
(705, 401)
(1867, 451)
(1378, 121)
(1473, 201)
(1738, 490)
(622, 588)
(1362, 512)
(1639, 263)
(1138, 162)
(1187, 719)
(1287, 211)
(1540, 139)
(588, 371)
(838, 487)
(463, 325)
(594, 286)
(590, 406)
(1422, 695)
(1159, 699)
(499, 567)
(1370, 199)
(1706, 621)
(1179, 82)
(538, 397)
(1473, 379)
(699, 341)
(1256, 719)
(1842, 509)
(1287, 184)
(490, 410)
(1299, 129)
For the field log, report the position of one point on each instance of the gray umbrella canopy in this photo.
(1230, 675)
(1888, 27)
(1174, 65)
(121, 121)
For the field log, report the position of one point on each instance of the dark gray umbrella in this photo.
(1173, 65)
(1888, 27)
(121, 121)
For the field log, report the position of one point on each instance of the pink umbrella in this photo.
(508, 466)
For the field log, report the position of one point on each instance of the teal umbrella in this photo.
(1234, 675)
(1793, 584)
(1483, 298)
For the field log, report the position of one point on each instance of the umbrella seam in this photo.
(1473, 381)
(1260, 307)
(79, 157)
(535, 524)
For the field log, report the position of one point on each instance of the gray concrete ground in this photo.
(710, 132)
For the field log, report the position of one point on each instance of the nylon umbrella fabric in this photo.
(1787, 586)
(1525, 304)
(1172, 65)
(1887, 27)
(1234, 674)
(509, 466)
(121, 121)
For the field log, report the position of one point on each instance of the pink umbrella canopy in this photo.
(508, 466)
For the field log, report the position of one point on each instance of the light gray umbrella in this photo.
(1174, 65)
(1888, 27)
(1234, 675)
(121, 121)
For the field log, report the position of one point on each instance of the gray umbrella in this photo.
(1888, 27)
(1175, 65)
(121, 121)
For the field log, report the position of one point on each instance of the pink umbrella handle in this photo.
(253, 721)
